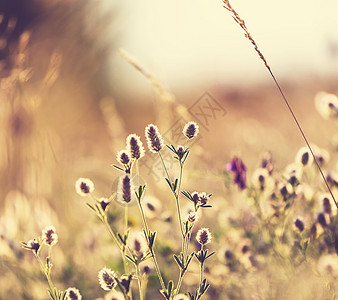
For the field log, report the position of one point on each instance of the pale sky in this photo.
(185, 42)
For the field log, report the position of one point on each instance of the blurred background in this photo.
(69, 97)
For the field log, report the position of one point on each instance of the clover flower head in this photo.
(104, 202)
(238, 167)
(154, 139)
(33, 245)
(107, 279)
(49, 236)
(195, 197)
(125, 188)
(180, 151)
(203, 236)
(138, 244)
(123, 157)
(114, 295)
(328, 265)
(84, 186)
(192, 217)
(260, 178)
(152, 206)
(135, 146)
(203, 198)
(323, 219)
(327, 105)
(190, 130)
(181, 297)
(299, 224)
(73, 294)
(304, 157)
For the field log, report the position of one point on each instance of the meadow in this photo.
(210, 193)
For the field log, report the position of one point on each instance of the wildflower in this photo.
(332, 179)
(327, 205)
(84, 186)
(260, 178)
(114, 295)
(299, 224)
(33, 245)
(203, 236)
(135, 146)
(146, 268)
(180, 152)
(73, 294)
(267, 162)
(192, 218)
(152, 206)
(125, 189)
(190, 130)
(181, 297)
(327, 105)
(322, 156)
(154, 139)
(239, 169)
(104, 202)
(328, 265)
(293, 173)
(285, 190)
(123, 157)
(195, 198)
(203, 198)
(323, 219)
(49, 236)
(138, 244)
(107, 279)
(125, 282)
(304, 157)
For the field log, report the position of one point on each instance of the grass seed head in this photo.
(84, 186)
(73, 294)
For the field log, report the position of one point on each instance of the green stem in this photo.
(177, 198)
(139, 281)
(164, 166)
(159, 275)
(43, 268)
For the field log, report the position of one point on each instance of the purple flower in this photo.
(237, 167)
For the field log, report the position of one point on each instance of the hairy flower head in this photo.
(190, 130)
(107, 279)
(154, 139)
(135, 146)
(203, 236)
(123, 157)
(33, 245)
(327, 105)
(181, 297)
(49, 236)
(73, 294)
(114, 295)
(84, 186)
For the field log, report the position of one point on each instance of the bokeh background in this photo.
(69, 97)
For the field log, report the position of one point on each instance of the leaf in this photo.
(187, 194)
(131, 259)
(169, 183)
(212, 253)
(119, 168)
(91, 207)
(179, 262)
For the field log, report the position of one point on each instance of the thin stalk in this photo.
(139, 281)
(43, 268)
(177, 198)
(247, 34)
(164, 166)
(159, 275)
